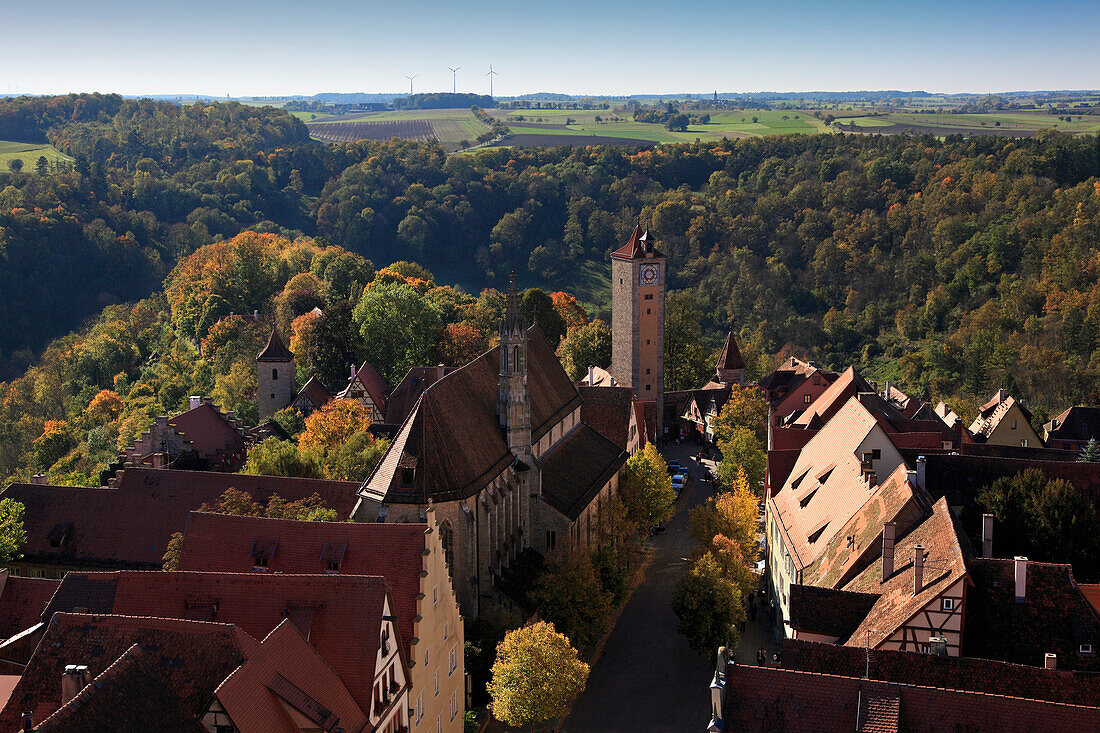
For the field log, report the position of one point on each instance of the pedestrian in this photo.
(761, 657)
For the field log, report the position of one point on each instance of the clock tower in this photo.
(638, 320)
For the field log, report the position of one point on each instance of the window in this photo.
(452, 662)
(332, 566)
(1013, 424)
(435, 595)
(406, 477)
(647, 342)
(454, 705)
(647, 371)
(807, 399)
(259, 563)
(649, 296)
(438, 725)
(947, 604)
(515, 358)
(420, 707)
(437, 683)
(1085, 649)
(649, 311)
(817, 380)
(447, 539)
(876, 454)
(275, 375)
(446, 631)
(551, 539)
(648, 387)
(1023, 442)
(272, 395)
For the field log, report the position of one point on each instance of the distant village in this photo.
(886, 599)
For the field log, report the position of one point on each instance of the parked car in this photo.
(674, 467)
(678, 483)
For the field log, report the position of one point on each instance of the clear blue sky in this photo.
(273, 47)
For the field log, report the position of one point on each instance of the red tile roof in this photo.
(635, 246)
(577, 467)
(772, 699)
(407, 392)
(207, 429)
(192, 657)
(129, 527)
(1092, 594)
(339, 615)
(22, 601)
(453, 436)
(223, 543)
(275, 350)
(730, 357)
(375, 386)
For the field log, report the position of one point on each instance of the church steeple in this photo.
(513, 399)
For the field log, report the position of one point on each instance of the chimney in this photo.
(922, 472)
(1021, 579)
(28, 721)
(987, 535)
(889, 532)
(591, 376)
(918, 569)
(351, 376)
(38, 479)
(194, 401)
(74, 679)
(886, 392)
(158, 460)
(911, 477)
(255, 314)
(937, 646)
(439, 371)
(1050, 661)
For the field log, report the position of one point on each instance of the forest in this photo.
(949, 266)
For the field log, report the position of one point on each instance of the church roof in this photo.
(731, 355)
(275, 349)
(453, 439)
(635, 248)
(577, 467)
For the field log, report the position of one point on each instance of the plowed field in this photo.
(352, 130)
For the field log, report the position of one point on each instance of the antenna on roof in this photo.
(410, 78)
(491, 74)
(454, 78)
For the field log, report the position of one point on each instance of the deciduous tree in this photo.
(569, 595)
(732, 514)
(400, 329)
(646, 488)
(537, 674)
(585, 346)
(12, 534)
(708, 605)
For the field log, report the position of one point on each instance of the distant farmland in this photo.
(348, 132)
(449, 126)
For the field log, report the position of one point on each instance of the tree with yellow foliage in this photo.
(334, 424)
(732, 514)
(536, 675)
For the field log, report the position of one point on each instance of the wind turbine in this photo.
(410, 78)
(454, 78)
(491, 74)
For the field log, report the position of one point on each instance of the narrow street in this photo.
(648, 679)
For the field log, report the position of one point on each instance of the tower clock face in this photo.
(648, 275)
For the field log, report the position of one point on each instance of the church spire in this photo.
(513, 399)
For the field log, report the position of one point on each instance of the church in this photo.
(498, 447)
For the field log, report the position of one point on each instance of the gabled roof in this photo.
(846, 386)
(943, 567)
(223, 543)
(635, 247)
(730, 358)
(129, 526)
(577, 467)
(207, 429)
(828, 611)
(192, 657)
(315, 392)
(1075, 423)
(339, 615)
(825, 487)
(608, 410)
(453, 440)
(275, 350)
(991, 413)
(789, 376)
(372, 382)
(404, 396)
(22, 601)
(1055, 617)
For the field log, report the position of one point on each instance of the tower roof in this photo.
(731, 355)
(275, 349)
(640, 242)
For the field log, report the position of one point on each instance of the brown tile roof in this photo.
(315, 392)
(208, 430)
(635, 246)
(453, 436)
(789, 375)
(192, 657)
(1092, 594)
(949, 672)
(338, 614)
(131, 694)
(374, 384)
(287, 669)
(577, 467)
(129, 527)
(879, 711)
(730, 358)
(1074, 424)
(828, 611)
(772, 699)
(223, 543)
(944, 566)
(846, 386)
(1055, 618)
(991, 413)
(860, 539)
(608, 410)
(22, 601)
(404, 396)
(275, 350)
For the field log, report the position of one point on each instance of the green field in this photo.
(1009, 121)
(310, 116)
(29, 153)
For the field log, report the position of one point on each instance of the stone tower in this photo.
(638, 320)
(274, 377)
(730, 368)
(513, 399)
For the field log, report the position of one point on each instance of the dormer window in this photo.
(406, 477)
(1085, 649)
(332, 566)
(261, 553)
(259, 562)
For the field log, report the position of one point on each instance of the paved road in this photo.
(648, 679)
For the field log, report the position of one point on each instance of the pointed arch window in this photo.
(274, 374)
(515, 358)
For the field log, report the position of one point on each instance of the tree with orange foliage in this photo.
(461, 343)
(572, 312)
(105, 406)
(334, 425)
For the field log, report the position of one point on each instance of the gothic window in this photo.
(447, 539)
(515, 357)
(504, 357)
(274, 373)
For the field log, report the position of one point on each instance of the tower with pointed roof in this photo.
(274, 377)
(638, 319)
(513, 398)
(730, 368)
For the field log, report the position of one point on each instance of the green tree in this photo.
(1090, 453)
(585, 346)
(569, 595)
(12, 534)
(537, 307)
(171, 559)
(16, 165)
(42, 165)
(536, 676)
(646, 488)
(678, 123)
(742, 450)
(687, 360)
(274, 457)
(708, 606)
(745, 408)
(400, 329)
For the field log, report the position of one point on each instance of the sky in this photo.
(278, 47)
